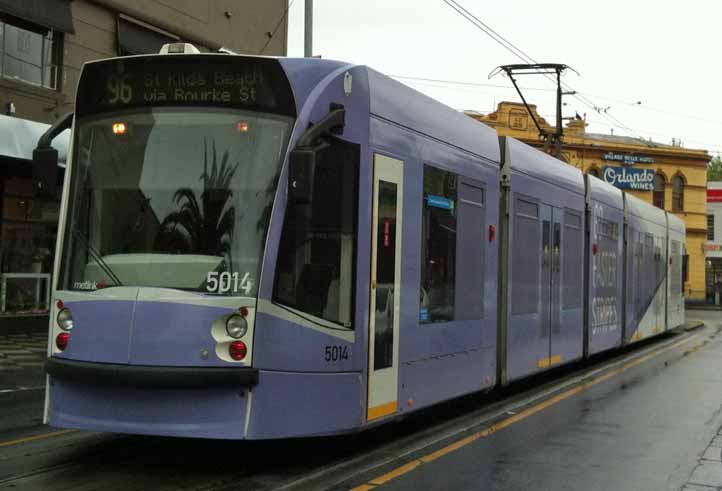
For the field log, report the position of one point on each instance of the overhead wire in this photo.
(509, 46)
(637, 105)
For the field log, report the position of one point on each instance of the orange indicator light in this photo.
(243, 126)
(120, 128)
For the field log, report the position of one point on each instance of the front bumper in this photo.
(151, 377)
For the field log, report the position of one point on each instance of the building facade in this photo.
(713, 245)
(43, 45)
(669, 176)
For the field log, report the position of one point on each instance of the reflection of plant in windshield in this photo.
(204, 228)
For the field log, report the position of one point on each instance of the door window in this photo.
(527, 250)
(572, 261)
(385, 275)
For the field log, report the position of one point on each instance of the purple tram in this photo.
(257, 248)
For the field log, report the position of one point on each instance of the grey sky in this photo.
(625, 51)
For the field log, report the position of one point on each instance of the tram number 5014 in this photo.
(335, 353)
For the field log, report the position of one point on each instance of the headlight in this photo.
(65, 320)
(236, 326)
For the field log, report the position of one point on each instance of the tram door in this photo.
(385, 287)
(550, 285)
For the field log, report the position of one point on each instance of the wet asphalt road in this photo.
(645, 428)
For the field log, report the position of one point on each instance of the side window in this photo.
(526, 257)
(676, 270)
(631, 262)
(438, 246)
(685, 270)
(315, 271)
(649, 270)
(572, 261)
(470, 251)
(630, 252)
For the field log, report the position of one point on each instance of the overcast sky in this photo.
(662, 54)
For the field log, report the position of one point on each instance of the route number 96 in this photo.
(119, 88)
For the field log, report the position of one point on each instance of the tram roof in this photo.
(605, 193)
(399, 103)
(644, 210)
(530, 161)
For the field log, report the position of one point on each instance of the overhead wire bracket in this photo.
(546, 69)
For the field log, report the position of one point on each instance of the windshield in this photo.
(172, 198)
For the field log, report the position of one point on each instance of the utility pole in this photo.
(308, 30)
(545, 69)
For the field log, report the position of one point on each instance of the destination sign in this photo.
(181, 80)
(626, 178)
(627, 158)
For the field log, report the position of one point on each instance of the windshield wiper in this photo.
(96, 255)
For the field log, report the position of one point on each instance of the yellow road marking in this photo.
(399, 471)
(382, 410)
(10, 443)
(406, 468)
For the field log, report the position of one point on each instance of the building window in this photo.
(29, 53)
(658, 193)
(710, 227)
(677, 194)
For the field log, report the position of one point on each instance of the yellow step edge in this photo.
(547, 362)
(382, 410)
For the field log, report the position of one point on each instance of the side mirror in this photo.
(301, 175)
(45, 159)
(302, 161)
(45, 171)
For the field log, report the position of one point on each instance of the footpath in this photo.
(23, 345)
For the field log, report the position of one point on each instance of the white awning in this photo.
(19, 137)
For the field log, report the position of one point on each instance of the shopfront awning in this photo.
(19, 137)
(54, 14)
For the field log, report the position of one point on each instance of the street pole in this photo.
(560, 129)
(308, 30)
